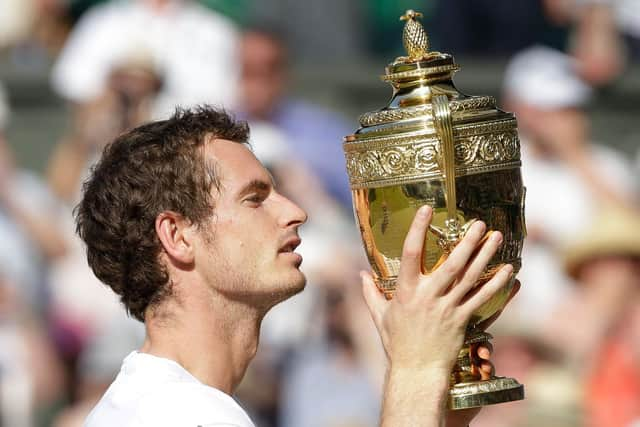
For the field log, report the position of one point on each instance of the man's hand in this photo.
(422, 328)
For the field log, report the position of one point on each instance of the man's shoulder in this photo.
(190, 404)
(169, 399)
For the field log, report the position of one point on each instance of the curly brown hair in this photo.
(153, 168)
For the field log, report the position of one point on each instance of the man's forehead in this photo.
(235, 163)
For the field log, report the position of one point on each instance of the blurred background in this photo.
(76, 73)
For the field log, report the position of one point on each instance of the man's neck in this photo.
(213, 338)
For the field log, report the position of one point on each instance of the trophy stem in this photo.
(468, 390)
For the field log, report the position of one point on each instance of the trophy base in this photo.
(482, 393)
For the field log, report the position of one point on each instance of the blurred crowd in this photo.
(572, 335)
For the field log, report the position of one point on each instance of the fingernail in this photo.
(508, 269)
(496, 237)
(484, 353)
(424, 211)
(480, 227)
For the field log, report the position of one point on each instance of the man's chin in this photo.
(296, 285)
(293, 285)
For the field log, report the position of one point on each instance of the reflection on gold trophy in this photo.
(459, 154)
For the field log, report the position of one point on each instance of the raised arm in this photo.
(422, 328)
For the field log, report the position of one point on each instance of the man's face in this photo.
(263, 74)
(250, 239)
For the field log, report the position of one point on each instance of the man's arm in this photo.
(422, 328)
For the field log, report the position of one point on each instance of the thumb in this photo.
(376, 302)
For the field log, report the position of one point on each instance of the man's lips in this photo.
(290, 244)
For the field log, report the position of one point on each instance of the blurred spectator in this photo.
(31, 376)
(327, 383)
(29, 228)
(599, 329)
(127, 100)
(81, 306)
(312, 133)
(597, 43)
(565, 174)
(605, 33)
(16, 18)
(33, 25)
(99, 364)
(194, 48)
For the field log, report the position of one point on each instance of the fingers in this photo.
(480, 354)
(376, 302)
(411, 264)
(459, 258)
(484, 350)
(484, 294)
(477, 266)
(486, 370)
(488, 322)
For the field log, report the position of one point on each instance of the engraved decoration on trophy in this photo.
(459, 154)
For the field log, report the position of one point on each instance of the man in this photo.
(187, 227)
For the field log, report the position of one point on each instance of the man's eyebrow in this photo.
(255, 185)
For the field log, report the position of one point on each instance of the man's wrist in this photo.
(415, 395)
(432, 381)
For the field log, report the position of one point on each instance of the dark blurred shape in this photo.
(317, 30)
(493, 27)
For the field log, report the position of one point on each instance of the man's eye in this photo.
(256, 198)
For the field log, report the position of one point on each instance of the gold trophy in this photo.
(459, 154)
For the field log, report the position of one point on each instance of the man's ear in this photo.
(176, 235)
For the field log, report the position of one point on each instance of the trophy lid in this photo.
(420, 62)
(416, 78)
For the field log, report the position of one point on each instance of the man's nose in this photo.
(293, 214)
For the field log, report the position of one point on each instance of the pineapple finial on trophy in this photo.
(414, 38)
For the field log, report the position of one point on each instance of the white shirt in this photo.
(194, 48)
(152, 391)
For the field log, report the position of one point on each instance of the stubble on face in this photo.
(239, 266)
(247, 286)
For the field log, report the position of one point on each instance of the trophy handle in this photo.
(444, 129)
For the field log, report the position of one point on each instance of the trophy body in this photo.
(458, 154)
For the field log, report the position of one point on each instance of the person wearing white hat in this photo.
(193, 46)
(565, 174)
